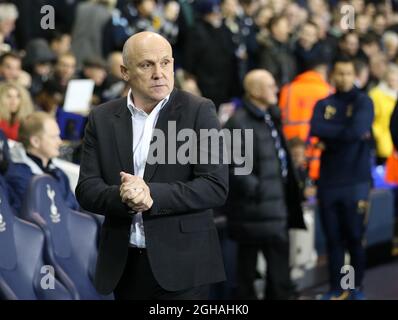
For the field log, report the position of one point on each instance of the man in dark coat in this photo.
(262, 205)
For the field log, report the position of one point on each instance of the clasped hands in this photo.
(135, 192)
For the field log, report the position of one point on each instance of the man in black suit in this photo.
(158, 240)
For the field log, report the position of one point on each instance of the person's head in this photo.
(115, 60)
(10, 66)
(95, 68)
(145, 8)
(297, 151)
(40, 135)
(50, 96)
(8, 16)
(362, 73)
(279, 27)
(60, 43)
(308, 35)
(362, 24)
(230, 8)
(260, 88)
(263, 16)
(65, 67)
(344, 74)
(349, 44)
(148, 66)
(391, 76)
(379, 24)
(378, 66)
(209, 11)
(370, 44)
(390, 44)
(15, 102)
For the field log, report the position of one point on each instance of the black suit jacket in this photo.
(181, 238)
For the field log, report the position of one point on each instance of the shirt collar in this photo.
(134, 110)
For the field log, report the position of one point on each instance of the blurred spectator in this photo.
(384, 98)
(95, 68)
(378, 67)
(10, 66)
(8, 16)
(362, 74)
(259, 215)
(50, 97)
(343, 123)
(140, 15)
(370, 45)
(117, 86)
(349, 45)
(38, 61)
(275, 53)
(64, 71)
(379, 24)
(298, 98)
(187, 83)
(15, 104)
(362, 24)
(40, 143)
(88, 28)
(231, 12)
(60, 43)
(308, 47)
(210, 56)
(390, 45)
(297, 148)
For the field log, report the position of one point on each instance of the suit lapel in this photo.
(170, 112)
(124, 137)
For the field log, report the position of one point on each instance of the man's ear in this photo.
(34, 141)
(125, 73)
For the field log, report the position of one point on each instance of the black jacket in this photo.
(180, 235)
(394, 126)
(260, 205)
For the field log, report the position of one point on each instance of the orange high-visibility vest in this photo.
(392, 168)
(297, 102)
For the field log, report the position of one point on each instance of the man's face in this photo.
(48, 141)
(12, 100)
(351, 45)
(267, 90)
(281, 30)
(344, 76)
(97, 74)
(150, 71)
(11, 68)
(66, 67)
(308, 36)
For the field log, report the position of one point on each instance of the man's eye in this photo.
(165, 63)
(146, 65)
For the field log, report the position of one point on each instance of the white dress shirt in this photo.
(143, 125)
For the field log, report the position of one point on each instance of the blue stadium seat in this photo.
(71, 235)
(24, 264)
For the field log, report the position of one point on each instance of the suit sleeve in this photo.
(209, 185)
(92, 193)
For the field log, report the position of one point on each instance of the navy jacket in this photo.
(18, 177)
(343, 122)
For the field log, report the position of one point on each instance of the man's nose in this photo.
(157, 71)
